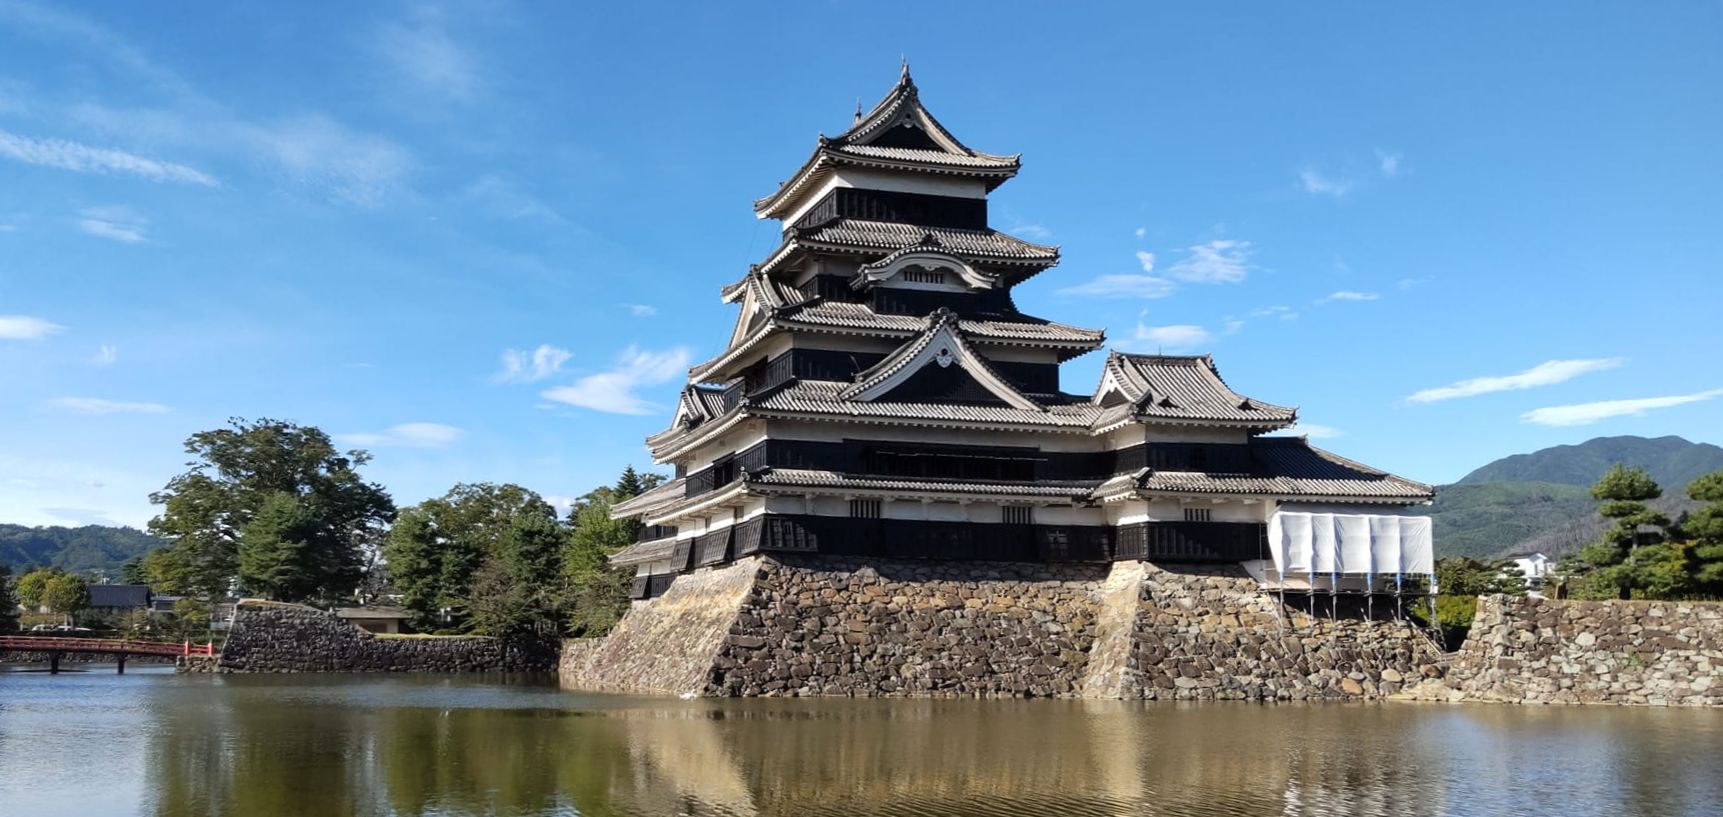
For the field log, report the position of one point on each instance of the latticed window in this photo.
(1019, 515)
(1199, 515)
(864, 508)
(918, 275)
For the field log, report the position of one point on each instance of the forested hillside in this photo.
(91, 547)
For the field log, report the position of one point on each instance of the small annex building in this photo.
(882, 395)
(381, 620)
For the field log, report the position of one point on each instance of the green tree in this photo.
(1705, 528)
(8, 602)
(276, 554)
(191, 618)
(1615, 565)
(236, 470)
(598, 593)
(437, 548)
(66, 594)
(132, 572)
(32, 587)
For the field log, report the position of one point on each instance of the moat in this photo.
(153, 743)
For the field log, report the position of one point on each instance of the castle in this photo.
(882, 398)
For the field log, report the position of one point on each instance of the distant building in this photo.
(881, 395)
(1535, 567)
(118, 599)
(386, 620)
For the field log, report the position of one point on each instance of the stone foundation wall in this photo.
(866, 627)
(1538, 651)
(815, 625)
(1207, 632)
(665, 645)
(271, 637)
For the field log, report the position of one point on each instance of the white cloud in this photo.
(520, 366)
(25, 327)
(1175, 338)
(1147, 259)
(1311, 430)
(1034, 232)
(80, 158)
(615, 391)
(422, 51)
(1587, 413)
(1142, 232)
(408, 435)
(1408, 283)
(1547, 373)
(106, 355)
(1123, 286)
(1233, 327)
(1221, 261)
(642, 310)
(316, 151)
(1280, 311)
(1315, 182)
(1388, 162)
(1348, 295)
(120, 224)
(95, 405)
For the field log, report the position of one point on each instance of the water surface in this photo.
(153, 743)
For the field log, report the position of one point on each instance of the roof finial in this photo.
(858, 110)
(903, 78)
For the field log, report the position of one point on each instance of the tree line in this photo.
(1645, 554)
(272, 509)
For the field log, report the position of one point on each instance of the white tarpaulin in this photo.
(1357, 544)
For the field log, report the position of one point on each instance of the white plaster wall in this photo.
(1047, 441)
(1196, 434)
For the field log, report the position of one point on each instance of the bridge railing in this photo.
(123, 646)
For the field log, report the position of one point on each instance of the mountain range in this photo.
(1541, 502)
(99, 548)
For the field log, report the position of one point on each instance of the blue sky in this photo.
(484, 240)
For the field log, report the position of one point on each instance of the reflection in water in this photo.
(339, 745)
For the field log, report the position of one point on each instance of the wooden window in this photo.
(1199, 515)
(864, 508)
(918, 275)
(1019, 515)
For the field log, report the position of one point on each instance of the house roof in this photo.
(934, 150)
(643, 552)
(380, 613)
(1181, 387)
(661, 496)
(940, 343)
(119, 595)
(805, 478)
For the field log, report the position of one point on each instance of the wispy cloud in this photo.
(642, 310)
(120, 224)
(1285, 313)
(96, 405)
(316, 151)
(421, 50)
(25, 327)
(1388, 162)
(106, 355)
(407, 435)
(1147, 260)
(616, 391)
(1174, 338)
(1142, 232)
(1587, 413)
(1318, 183)
(521, 366)
(1408, 283)
(1221, 261)
(1123, 286)
(1547, 373)
(1347, 295)
(1033, 232)
(80, 158)
(502, 198)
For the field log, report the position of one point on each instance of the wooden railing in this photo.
(118, 646)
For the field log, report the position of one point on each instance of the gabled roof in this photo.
(659, 497)
(1180, 388)
(869, 143)
(1281, 467)
(878, 239)
(940, 344)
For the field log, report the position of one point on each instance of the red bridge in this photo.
(118, 647)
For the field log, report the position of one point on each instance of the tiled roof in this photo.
(929, 156)
(801, 478)
(941, 327)
(659, 497)
(643, 552)
(1283, 467)
(119, 595)
(1180, 387)
(813, 397)
(862, 234)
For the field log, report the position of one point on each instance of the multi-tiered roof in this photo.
(889, 303)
